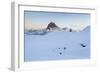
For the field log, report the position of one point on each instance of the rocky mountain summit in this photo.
(52, 26)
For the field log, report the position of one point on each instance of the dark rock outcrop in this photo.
(52, 26)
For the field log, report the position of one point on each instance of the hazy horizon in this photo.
(40, 20)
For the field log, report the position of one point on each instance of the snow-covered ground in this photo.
(59, 45)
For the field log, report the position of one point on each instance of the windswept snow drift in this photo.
(58, 45)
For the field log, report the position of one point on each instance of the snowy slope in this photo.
(59, 45)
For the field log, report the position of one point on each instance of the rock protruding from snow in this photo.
(52, 26)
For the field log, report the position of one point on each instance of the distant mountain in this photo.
(52, 26)
(86, 29)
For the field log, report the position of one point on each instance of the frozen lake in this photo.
(58, 45)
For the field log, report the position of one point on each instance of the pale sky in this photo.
(39, 20)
